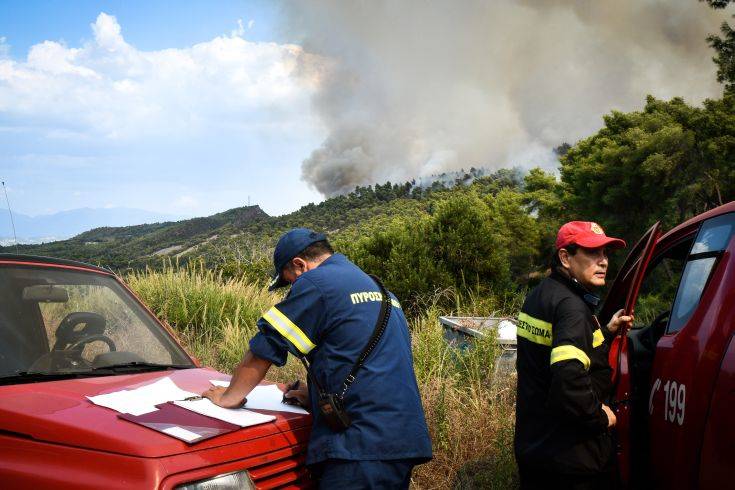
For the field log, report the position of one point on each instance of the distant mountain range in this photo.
(125, 246)
(240, 232)
(66, 224)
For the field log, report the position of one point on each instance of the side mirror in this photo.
(45, 293)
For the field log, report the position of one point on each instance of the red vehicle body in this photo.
(51, 436)
(674, 372)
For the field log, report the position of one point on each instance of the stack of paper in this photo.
(142, 400)
(237, 416)
(267, 397)
(181, 433)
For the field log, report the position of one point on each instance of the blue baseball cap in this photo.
(289, 246)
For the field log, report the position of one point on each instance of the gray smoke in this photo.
(419, 87)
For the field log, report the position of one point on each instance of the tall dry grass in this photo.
(469, 412)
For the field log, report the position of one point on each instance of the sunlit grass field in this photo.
(470, 414)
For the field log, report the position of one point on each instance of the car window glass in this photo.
(54, 320)
(712, 239)
(659, 286)
(695, 278)
(121, 325)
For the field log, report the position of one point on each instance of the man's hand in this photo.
(611, 419)
(618, 320)
(301, 393)
(247, 375)
(218, 396)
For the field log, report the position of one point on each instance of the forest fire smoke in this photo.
(417, 88)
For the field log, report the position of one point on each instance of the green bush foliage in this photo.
(465, 241)
(668, 162)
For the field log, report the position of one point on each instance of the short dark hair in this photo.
(572, 248)
(313, 251)
(316, 250)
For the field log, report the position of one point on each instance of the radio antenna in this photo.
(12, 222)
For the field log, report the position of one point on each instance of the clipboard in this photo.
(180, 423)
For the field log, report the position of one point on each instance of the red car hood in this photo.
(59, 412)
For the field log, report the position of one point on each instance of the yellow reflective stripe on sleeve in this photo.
(395, 303)
(533, 329)
(568, 352)
(597, 338)
(289, 330)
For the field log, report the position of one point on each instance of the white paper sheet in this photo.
(181, 433)
(265, 397)
(237, 416)
(135, 409)
(123, 402)
(142, 400)
(163, 390)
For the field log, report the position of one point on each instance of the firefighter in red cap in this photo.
(562, 437)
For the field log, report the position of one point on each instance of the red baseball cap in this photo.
(587, 234)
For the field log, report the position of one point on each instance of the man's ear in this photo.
(564, 257)
(300, 264)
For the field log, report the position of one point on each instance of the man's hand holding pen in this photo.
(297, 393)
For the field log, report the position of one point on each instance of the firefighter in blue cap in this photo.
(369, 429)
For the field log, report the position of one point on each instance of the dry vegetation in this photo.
(470, 414)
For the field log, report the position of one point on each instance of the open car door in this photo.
(624, 291)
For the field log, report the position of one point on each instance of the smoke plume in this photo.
(419, 87)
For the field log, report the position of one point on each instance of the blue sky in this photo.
(149, 25)
(185, 108)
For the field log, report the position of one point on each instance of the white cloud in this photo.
(240, 31)
(109, 90)
(186, 203)
(107, 33)
(5, 48)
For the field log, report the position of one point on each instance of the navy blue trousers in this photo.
(336, 474)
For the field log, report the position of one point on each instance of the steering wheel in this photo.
(659, 323)
(79, 344)
(656, 329)
(71, 339)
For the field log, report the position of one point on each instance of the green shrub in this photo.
(466, 243)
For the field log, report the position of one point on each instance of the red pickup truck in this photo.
(674, 372)
(70, 330)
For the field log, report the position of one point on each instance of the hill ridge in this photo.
(146, 244)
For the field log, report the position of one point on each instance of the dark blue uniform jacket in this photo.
(329, 315)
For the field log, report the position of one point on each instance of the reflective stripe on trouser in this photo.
(289, 330)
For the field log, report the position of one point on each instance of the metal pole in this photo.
(12, 222)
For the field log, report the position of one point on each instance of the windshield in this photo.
(56, 321)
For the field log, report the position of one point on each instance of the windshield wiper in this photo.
(125, 367)
(37, 376)
(138, 366)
